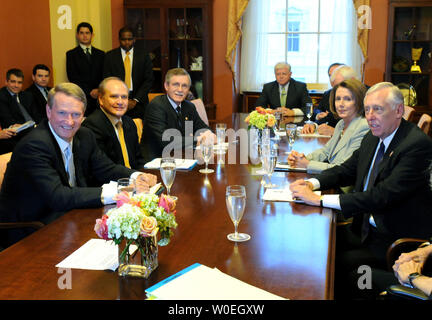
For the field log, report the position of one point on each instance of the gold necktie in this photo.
(283, 97)
(128, 70)
(123, 144)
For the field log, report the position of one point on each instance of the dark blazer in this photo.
(400, 197)
(39, 99)
(297, 96)
(108, 142)
(324, 106)
(142, 76)
(84, 73)
(160, 116)
(35, 185)
(9, 110)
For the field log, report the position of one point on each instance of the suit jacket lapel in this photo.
(59, 155)
(347, 136)
(400, 133)
(275, 95)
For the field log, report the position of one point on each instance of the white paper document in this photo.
(181, 164)
(199, 282)
(24, 126)
(95, 254)
(313, 135)
(281, 195)
(219, 146)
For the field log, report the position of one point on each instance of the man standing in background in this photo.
(84, 65)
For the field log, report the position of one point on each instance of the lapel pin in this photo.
(391, 153)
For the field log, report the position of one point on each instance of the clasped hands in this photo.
(297, 160)
(303, 190)
(144, 181)
(410, 262)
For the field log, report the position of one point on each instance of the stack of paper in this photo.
(286, 167)
(95, 254)
(199, 282)
(24, 126)
(313, 135)
(181, 164)
(281, 195)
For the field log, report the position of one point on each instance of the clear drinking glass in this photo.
(126, 185)
(290, 130)
(269, 163)
(278, 116)
(207, 152)
(309, 108)
(236, 202)
(220, 135)
(168, 173)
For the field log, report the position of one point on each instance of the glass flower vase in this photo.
(138, 258)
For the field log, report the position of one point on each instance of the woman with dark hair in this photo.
(346, 102)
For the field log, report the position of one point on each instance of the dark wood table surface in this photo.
(290, 254)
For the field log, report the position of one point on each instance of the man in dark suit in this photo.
(391, 197)
(16, 106)
(84, 65)
(50, 168)
(133, 65)
(285, 92)
(172, 111)
(39, 89)
(105, 122)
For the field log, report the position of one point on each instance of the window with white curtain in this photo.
(308, 34)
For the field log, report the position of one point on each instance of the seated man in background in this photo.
(325, 119)
(116, 133)
(285, 93)
(50, 168)
(39, 89)
(172, 111)
(16, 106)
(391, 196)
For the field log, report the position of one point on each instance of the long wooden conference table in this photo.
(290, 253)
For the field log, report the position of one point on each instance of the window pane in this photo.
(304, 62)
(275, 52)
(306, 12)
(277, 12)
(328, 55)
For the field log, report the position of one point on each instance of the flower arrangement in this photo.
(261, 118)
(141, 215)
(137, 220)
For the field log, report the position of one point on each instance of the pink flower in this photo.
(148, 226)
(122, 198)
(167, 203)
(101, 227)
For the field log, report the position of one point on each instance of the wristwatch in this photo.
(413, 276)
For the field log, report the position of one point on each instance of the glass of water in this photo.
(309, 108)
(269, 163)
(290, 130)
(207, 152)
(220, 135)
(236, 203)
(126, 185)
(168, 173)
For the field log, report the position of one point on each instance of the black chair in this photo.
(36, 225)
(394, 251)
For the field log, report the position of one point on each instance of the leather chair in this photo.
(394, 251)
(151, 96)
(409, 113)
(425, 123)
(4, 160)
